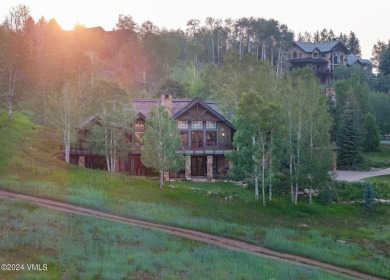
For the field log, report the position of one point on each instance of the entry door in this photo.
(197, 166)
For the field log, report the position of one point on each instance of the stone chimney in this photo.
(166, 101)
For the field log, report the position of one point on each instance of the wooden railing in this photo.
(207, 146)
(77, 150)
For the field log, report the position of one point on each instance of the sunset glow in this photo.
(368, 26)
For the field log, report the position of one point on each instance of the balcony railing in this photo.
(207, 146)
(77, 150)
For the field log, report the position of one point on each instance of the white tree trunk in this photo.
(270, 167)
(11, 89)
(161, 179)
(263, 172)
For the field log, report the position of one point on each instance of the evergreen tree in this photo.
(368, 197)
(161, 141)
(350, 135)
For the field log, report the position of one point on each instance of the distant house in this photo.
(323, 57)
(206, 135)
(355, 61)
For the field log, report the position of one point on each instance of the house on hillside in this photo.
(355, 61)
(206, 134)
(323, 57)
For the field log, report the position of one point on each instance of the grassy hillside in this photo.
(80, 247)
(28, 164)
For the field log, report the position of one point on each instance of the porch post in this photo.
(209, 168)
(188, 168)
(82, 161)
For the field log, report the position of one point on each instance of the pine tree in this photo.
(350, 135)
(368, 197)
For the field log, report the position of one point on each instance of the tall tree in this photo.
(14, 58)
(380, 102)
(161, 143)
(254, 140)
(307, 130)
(65, 114)
(384, 62)
(372, 139)
(258, 125)
(350, 135)
(115, 122)
(353, 44)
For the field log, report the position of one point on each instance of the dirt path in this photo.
(191, 234)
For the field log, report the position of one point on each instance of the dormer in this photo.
(315, 53)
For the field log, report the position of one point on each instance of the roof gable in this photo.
(211, 108)
(309, 47)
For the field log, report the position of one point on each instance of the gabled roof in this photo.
(352, 59)
(309, 47)
(142, 108)
(210, 106)
(86, 121)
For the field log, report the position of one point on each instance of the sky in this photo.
(369, 20)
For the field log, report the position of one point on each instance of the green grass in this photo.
(30, 166)
(380, 158)
(83, 247)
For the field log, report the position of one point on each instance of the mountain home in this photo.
(323, 57)
(206, 135)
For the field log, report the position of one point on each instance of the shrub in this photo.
(327, 196)
(368, 197)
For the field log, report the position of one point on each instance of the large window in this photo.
(211, 125)
(211, 138)
(138, 138)
(182, 125)
(140, 125)
(197, 125)
(196, 139)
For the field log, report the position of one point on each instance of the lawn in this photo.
(28, 164)
(380, 158)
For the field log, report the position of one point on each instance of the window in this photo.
(196, 125)
(139, 125)
(211, 138)
(295, 55)
(315, 54)
(182, 125)
(184, 138)
(138, 138)
(323, 55)
(211, 125)
(196, 139)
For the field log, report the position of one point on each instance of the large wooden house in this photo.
(206, 135)
(323, 57)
